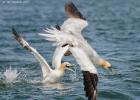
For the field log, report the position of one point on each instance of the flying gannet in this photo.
(73, 27)
(70, 34)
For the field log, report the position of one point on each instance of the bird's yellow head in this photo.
(65, 64)
(105, 64)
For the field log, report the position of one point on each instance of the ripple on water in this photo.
(113, 30)
(114, 95)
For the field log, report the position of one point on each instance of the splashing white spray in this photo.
(73, 76)
(10, 75)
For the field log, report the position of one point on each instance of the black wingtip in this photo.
(69, 3)
(90, 83)
(73, 11)
(20, 40)
(15, 32)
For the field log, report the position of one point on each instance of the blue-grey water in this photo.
(114, 31)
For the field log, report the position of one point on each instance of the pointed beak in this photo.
(69, 69)
(70, 65)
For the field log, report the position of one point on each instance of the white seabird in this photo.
(70, 34)
(49, 75)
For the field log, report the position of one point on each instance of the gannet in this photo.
(73, 27)
(49, 75)
(70, 34)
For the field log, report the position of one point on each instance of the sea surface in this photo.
(113, 31)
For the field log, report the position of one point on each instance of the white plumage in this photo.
(49, 75)
(60, 38)
(74, 26)
(70, 34)
(83, 60)
(80, 48)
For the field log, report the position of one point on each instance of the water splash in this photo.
(10, 75)
(73, 76)
(112, 71)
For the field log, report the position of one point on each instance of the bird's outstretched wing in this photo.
(76, 22)
(58, 37)
(90, 84)
(89, 72)
(72, 11)
(44, 65)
